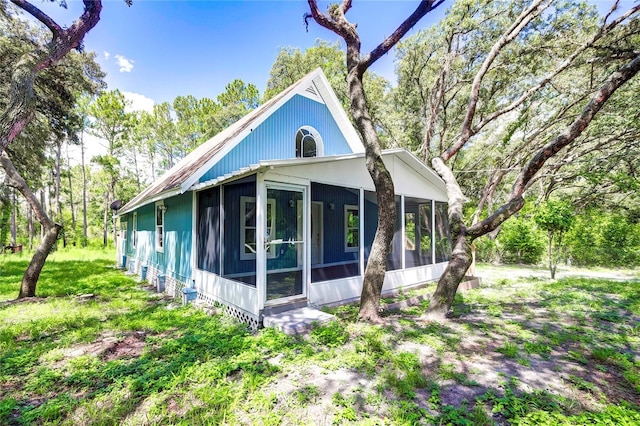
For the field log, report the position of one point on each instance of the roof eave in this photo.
(143, 202)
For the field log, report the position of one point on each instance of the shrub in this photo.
(520, 241)
(486, 249)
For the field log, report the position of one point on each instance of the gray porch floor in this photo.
(296, 321)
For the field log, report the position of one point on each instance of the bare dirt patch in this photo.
(108, 347)
(509, 341)
(129, 347)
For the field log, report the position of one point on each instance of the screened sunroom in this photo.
(291, 231)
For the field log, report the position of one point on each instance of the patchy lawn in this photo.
(520, 350)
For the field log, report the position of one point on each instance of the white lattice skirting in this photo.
(173, 287)
(238, 314)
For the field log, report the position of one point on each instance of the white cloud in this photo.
(138, 102)
(106, 54)
(126, 64)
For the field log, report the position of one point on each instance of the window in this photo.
(134, 230)
(308, 142)
(248, 230)
(351, 228)
(123, 232)
(160, 209)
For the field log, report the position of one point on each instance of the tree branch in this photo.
(40, 16)
(423, 8)
(617, 79)
(454, 194)
(71, 38)
(18, 182)
(18, 110)
(329, 23)
(564, 65)
(509, 35)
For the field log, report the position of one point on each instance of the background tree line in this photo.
(536, 81)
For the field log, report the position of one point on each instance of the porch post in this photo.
(361, 232)
(261, 258)
(194, 232)
(306, 220)
(433, 232)
(403, 253)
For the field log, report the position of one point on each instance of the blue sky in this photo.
(162, 49)
(157, 50)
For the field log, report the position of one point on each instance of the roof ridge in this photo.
(207, 150)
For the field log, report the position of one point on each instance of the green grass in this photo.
(59, 359)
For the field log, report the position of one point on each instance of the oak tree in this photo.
(357, 64)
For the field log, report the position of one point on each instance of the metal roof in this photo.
(186, 173)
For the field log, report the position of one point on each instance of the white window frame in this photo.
(270, 228)
(160, 228)
(316, 138)
(347, 208)
(123, 231)
(134, 230)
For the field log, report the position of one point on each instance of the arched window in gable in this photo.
(308, 142)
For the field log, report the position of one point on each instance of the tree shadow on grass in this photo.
(185, 351)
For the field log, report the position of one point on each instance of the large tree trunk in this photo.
(357, 65)
(32, 274)
(19, 110)
(442, 298)
(377, 264)
(51, 229)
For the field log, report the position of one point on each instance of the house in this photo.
(279, 210)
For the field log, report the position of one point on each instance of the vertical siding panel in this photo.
(177, 250)
(232, 261)
(176, 259)
(274, 139)
(334, 225)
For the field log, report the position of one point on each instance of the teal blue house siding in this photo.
(175, 261)
(178, 232)
(274, 139)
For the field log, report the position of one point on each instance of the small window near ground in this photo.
(308, 142)
(351, 228)
(160, 209)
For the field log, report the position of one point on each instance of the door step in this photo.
(296, 321)
(288, 306)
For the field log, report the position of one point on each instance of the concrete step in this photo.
(296, 321)
(276, 309)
